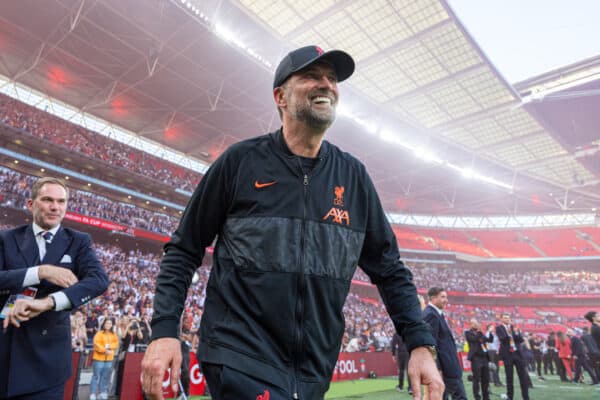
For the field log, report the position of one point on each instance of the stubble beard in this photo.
(318, 121)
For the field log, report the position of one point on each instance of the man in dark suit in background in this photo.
(594, 319)
(510, 341)
(479, 357)
(447, 358)
(401, 355)
(581, 359)
(57, 269)
(593, 350)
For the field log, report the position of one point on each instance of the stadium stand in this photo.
(566, 281)
(504, 243)
(14, 187)
(29, 120)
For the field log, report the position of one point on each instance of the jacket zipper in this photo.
(301, 287)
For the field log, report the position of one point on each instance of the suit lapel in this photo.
(28, 246)
(58, 247)
(444, 322)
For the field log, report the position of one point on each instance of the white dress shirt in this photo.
(32, 275)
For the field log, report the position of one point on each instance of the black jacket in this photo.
(590, 343)
(577, 348)
(478, 344)
(288, 244)
(595, 332)
(504, 337)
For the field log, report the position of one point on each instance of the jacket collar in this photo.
(283, 147)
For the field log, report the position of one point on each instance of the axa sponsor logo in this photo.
(339, 215)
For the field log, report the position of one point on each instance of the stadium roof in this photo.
(426, 110)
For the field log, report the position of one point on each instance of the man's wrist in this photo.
(431, 349)
(41, 270)
(51, 303)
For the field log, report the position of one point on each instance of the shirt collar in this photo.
(37, 229)
(441, 312)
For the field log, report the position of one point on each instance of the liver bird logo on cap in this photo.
(319, 50)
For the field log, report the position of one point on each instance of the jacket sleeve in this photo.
(92, 278)
(502, 335)
(471, 338)
(10, 279)
(518, 338)
(202, 220)
(380, 260)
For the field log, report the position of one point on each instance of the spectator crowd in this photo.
(14, 189)
(497, 281)
(47, 127)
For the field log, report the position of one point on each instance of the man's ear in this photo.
(279, 96)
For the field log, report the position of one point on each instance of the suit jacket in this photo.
(37, 355)
(590, 343)
(476, 340)
(504, 338)
(577, 348)
(595, 332)
(446, 347)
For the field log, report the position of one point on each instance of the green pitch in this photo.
(385, 389)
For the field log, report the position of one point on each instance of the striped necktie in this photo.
(48, 237)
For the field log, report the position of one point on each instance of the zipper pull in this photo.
(305, 180)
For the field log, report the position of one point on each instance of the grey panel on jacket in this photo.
(273, 244)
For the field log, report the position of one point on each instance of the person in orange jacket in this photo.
(106, 342)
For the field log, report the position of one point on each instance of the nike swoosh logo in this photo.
(259, 185)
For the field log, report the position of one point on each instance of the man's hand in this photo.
(162, 354)
(59, 276)
(26, 309)
(422, 370)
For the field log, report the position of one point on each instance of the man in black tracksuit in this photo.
(293, 216)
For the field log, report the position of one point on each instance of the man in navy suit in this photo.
(58, 270)
(447, 358)
(510, 340)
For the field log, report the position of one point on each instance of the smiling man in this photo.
(293, 216)
(52, 269)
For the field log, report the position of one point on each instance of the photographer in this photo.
(145, 329)
(131, 336)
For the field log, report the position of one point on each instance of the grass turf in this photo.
(385, 389)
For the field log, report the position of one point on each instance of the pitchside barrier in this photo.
(350, 366)
(73, 382)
